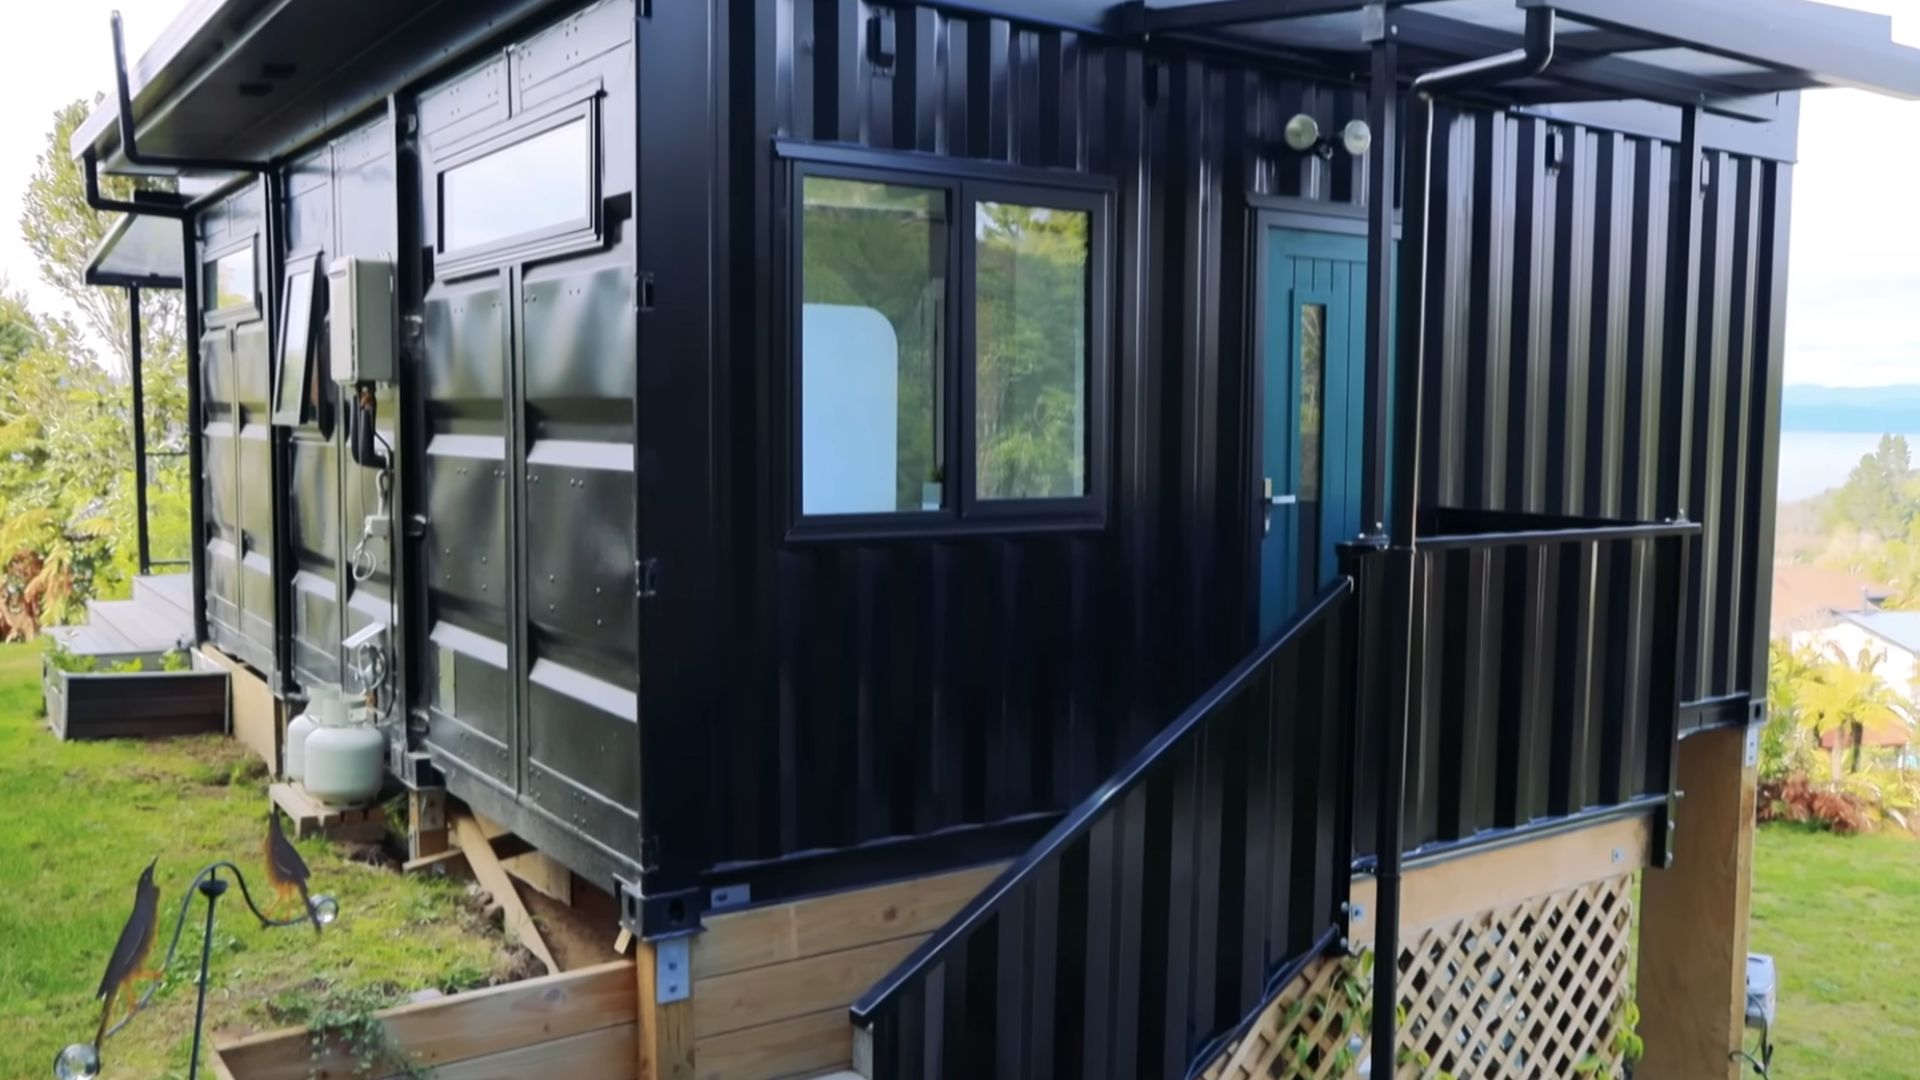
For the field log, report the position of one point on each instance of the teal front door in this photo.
(1312, 390)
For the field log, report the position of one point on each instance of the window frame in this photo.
(234, 313)
(564, 237)
(965, 184)
(307, 409)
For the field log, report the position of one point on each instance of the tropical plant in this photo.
(1785, 748)
(1845, 697)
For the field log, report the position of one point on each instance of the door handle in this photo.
(1268, 500)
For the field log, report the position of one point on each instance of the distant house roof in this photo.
(1900, 628)
(1885, 731)
(1804, 595)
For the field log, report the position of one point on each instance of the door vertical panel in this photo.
(470, 691)
(253, 492)
(312, 518)
(218, 454)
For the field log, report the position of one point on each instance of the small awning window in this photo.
(138, 250)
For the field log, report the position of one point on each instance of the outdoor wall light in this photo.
(129, 963)
(1303, 136)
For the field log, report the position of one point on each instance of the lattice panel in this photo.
(1301, 1034)
(1525, 992)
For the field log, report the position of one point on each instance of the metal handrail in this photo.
(1639, 530)
(1081, 821)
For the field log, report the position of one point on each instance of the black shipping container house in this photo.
(1199, 452)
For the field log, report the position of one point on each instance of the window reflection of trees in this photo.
(1030, 351)
(883, 246)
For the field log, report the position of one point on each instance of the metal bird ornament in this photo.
(287, 871)
(128, 965)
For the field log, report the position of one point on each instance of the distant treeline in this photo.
(1864, 410)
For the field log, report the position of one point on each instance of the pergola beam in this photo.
(1609, 75)
(1824, 45)
(1221, 14)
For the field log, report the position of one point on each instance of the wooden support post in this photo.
(665, 1031)
(426, 823)
(1693, 917)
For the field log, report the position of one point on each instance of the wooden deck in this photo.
(157, 619)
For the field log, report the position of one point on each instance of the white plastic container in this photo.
(346, 765)
(298, 731)
(326, 707)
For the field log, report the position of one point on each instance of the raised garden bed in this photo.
(579, 1024)
(133, 704)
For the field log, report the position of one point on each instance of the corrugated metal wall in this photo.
(911, 686)
(1551, 279)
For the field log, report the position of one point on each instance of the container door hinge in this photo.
(646, 9)
(643, 291)
(646, 576)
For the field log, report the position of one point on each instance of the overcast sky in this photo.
(1855, 275)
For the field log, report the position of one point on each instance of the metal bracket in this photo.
(1665, 824)
(673, 969)
(1350, 914)
(632, 904)
(1376, 24)
(726, 897)
(646, 576)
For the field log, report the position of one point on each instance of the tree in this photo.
(1844, 697)
(1882, 493)
(68, 508)
(62, 231)
(1784, 747)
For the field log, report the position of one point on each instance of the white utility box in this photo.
(360, 298)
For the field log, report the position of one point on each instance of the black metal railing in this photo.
(1152, 920)
(1547, 674)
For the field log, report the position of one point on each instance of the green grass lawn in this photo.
(78, 821)
(1841, 916)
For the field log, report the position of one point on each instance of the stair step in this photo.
(174, 591)
(148, 628)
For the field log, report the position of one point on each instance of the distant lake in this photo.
(1813, 461)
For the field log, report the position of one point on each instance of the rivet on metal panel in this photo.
(673, 964)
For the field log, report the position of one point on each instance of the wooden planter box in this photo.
(135, 704)
(576, 1024)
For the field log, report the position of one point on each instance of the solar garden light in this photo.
(286, 872)
(1303, 136)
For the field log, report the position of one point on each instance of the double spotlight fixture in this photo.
(1303, 136)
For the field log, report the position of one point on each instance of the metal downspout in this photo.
(1529, 60)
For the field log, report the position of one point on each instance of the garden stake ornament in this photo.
(128, 966)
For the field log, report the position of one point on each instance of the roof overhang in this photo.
(255, 80)
(1734, 58)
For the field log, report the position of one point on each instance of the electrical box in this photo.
(1762, 991)
(360, 299)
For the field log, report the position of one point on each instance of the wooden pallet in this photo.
(311, 817)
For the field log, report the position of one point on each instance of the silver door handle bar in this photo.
(1284, 500)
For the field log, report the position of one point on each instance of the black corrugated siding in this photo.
(906, 687)
(1546, 399)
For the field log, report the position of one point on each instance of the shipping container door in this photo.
(235, 433)
(528, 375)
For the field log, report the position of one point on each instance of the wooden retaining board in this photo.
(577, 1024)
(771, 985)
(135, 705)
